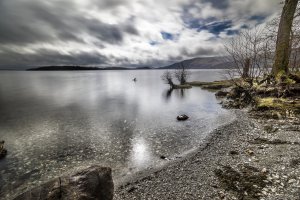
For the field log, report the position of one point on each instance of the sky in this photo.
(129, 33)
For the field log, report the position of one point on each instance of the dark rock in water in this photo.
(3, 151)
(163, 157)
(93, 183)
(182, 117)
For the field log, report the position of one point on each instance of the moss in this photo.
(284, 107)
(277, 103)
(279, 75)
(268, 102)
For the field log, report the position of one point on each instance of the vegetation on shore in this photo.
(273, 92)
(215, 85)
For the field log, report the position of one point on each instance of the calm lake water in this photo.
(54, 122)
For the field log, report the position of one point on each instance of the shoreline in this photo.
(208, 145)
(231, 145)
(125, 180)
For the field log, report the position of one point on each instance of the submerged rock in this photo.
(3, 151)
(182, 117)
(93, 183)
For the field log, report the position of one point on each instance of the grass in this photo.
(215, 85)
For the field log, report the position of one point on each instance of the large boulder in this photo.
(93, 183)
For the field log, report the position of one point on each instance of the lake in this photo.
(56, 122)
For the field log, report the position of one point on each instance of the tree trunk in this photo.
(282, 53)
(246, 68)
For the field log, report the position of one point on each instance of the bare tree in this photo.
(182, 74)
(283, 43)
(168, 78)
(248, 54)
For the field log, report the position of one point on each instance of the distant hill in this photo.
(62, 68)
(75, 68)
(201, 63)
(195, 63)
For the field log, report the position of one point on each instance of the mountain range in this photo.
(201, 63)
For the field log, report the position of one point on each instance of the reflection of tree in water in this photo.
(181, 93)
(167, 94)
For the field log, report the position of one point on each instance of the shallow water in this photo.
(54, 122)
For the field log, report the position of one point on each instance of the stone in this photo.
(182, 117)
(3, 151)
(92, 183)
(249, 152)
(233, 152)
(264, 170)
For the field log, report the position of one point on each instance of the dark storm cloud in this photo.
(43, 57)
(26, 22)
(200, 51)
(15, 27)
(109, 4)
(220, 4)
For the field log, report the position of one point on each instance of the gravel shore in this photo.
(246, 159)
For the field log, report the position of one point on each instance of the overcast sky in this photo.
(121, 32)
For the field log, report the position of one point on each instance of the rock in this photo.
(292, 181)
(270, 129)
(249, 152)
(182, 117)
(233, 152)
(93, 183)
(264, 170)
(163, 157)
(221, 93)
(3, 151)
(133, 188)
